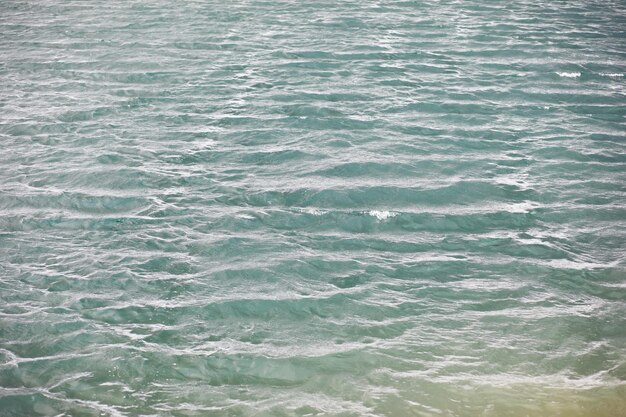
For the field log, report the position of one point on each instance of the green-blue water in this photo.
(299, 208)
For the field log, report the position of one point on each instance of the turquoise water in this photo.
(337, 208)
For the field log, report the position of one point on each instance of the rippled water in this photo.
(281, 208)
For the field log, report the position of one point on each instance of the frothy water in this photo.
(282, 208)
(569, 74)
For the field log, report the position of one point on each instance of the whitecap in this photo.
(569, 74)
(612, 74)
(313, 211)
(382, 214)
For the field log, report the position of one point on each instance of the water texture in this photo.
(300, 208)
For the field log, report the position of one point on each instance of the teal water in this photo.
(281, 208)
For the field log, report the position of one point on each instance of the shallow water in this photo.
(280, 208)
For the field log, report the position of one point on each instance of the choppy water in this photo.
(281, 208)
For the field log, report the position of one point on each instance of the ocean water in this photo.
(312, 208)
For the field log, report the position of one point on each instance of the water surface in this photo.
(338, 208)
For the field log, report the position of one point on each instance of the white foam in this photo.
(569, 74)
(382, 214)
(313, 211)
(612, 74)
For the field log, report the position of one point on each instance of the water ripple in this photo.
(312, 208)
